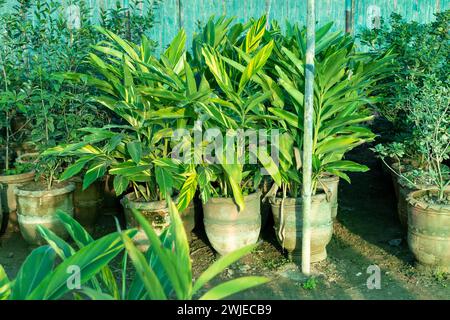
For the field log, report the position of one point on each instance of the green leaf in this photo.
(146, 274)
(135, 150)
(220, 265)
(346, 165)
(5, 285)
(61, 247)
(163, 254)
(164, 180)
(75, 168)
(255, 65)
(187, 191)
(228, 288)
(120, 184)
(81, 237)
(91, 259)
(37, 266)
(96, 295)
(95, 171)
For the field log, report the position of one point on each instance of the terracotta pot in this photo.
(157, 214)
(229, 229)
(37, 206)
(429, 230)
(8, 200)
(289, 224)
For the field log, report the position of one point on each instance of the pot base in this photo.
(315, 256)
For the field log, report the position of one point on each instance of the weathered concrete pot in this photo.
(37, 206)
(28, 158)
(8, 199)
(329, 184)
(405, 190)
(229, 229)
(157, 214)
(87, 203)
(289, 223)
(429, 230)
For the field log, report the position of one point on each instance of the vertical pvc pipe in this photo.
(348, 16)
(307, 137)
(180, 14)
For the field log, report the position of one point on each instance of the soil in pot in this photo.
(157, 214)
(229, 229)
(87, 203)
(37, 206)
(289, 223)
(329, 185)
(8, 200)
(429, 229)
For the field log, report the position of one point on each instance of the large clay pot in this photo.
(87, 203)
(289, 223)
(157, 214)
(229, 229)
(8, 200)
(429, 230)
(329, 184)
(37, 206)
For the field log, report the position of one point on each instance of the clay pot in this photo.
(289, 224)
(229, 229)
(37, 206)
(157, 214)
(429, 230)
(8, 200)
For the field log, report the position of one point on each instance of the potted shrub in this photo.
(429, 210)
(38, 202)
(10, 176)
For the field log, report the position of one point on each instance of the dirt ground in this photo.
(366, 233)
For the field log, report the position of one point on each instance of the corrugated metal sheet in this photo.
(186, 13)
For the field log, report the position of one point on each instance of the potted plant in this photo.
(137, 152)
(429, 209)
(39, 201)
(344, 83)
(229, 185)
(19, 173)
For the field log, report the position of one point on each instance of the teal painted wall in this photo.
(186, 13)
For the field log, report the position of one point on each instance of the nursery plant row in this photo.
(108, 113)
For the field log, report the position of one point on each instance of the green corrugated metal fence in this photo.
(186, 13)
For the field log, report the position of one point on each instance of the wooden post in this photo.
(348, 16)
(307, 136)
